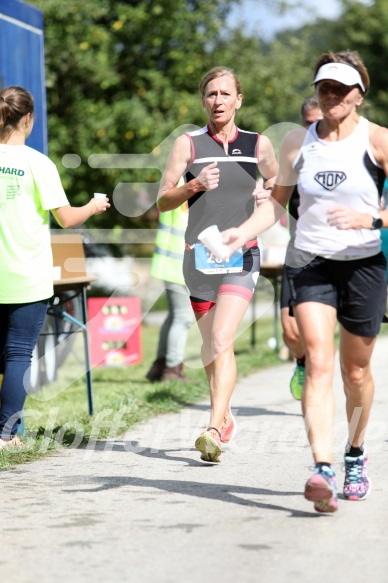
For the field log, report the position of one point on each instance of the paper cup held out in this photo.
(211, 238)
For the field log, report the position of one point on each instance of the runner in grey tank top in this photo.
(220, 164)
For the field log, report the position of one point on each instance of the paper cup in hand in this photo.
(211, 238)
(99, 195)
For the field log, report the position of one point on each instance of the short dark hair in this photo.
(311, 102)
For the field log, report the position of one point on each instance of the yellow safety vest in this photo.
(170, 245)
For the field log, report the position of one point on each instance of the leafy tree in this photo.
(365, 29)
(275, 79)
(121, 76)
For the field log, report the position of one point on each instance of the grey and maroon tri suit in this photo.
(229, 205)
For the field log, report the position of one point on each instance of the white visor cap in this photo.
(340, 72)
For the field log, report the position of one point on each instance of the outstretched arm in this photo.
(69, 217)
(270, 211)
(266, 215)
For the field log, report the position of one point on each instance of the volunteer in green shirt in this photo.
(30, 187)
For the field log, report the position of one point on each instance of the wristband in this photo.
(377, 223)
(269, 188)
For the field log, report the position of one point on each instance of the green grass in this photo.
(57, 415)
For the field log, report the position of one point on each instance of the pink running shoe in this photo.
(209, 444)
(357, 484)
(229, 427)
(321, 489)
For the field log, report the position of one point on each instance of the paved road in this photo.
(143, 509)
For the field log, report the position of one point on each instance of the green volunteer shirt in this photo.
(29, 187)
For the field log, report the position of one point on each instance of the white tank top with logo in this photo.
(337, 173)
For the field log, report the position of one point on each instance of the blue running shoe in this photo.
(357, 484)
(321, 489)
(297, 382)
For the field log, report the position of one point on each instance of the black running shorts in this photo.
(356, 289)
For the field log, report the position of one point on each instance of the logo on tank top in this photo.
(236, 151)
(330, 179)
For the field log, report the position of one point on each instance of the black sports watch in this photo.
(377, 223)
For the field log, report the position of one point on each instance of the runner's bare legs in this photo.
(218, 329)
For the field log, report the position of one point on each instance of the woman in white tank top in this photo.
(338, 271)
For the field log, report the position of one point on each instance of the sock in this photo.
(320, 465)
(301, 361)
(353, 451)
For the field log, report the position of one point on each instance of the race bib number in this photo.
(208, 264)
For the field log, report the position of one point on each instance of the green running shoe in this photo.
(209, 444)
(297, 382)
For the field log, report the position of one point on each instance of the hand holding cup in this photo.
(101, 202)
(211, 238)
